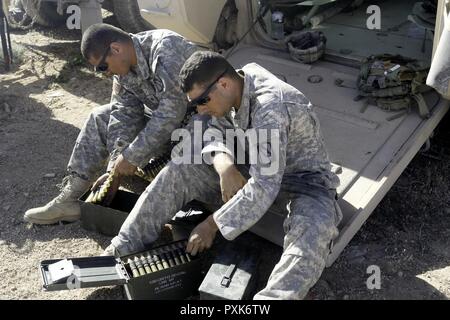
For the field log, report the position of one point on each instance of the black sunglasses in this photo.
(102, 65)
(204, 97)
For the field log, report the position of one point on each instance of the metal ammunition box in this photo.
(107, 220)
(176, 282)
(231, 276)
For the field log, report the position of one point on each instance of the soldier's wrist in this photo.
(211, 223)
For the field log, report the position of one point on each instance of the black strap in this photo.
(226, 280)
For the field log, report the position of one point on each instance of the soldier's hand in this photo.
(202, 236)
(99, 181)
(231, 181)
(102, 194)
(123, 168)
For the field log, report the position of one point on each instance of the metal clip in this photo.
(392, 69)
(226, 280)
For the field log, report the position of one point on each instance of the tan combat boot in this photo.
(64, 207)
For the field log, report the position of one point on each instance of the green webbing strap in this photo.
(421, 103)
(392, 104)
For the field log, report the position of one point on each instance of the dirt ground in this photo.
(44, 101)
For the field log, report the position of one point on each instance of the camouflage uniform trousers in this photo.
(92, 147)
(310, 225)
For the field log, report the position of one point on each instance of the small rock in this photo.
(355, 252)
(7, 108)
(6, 208)
(13, 289)
(50, 175)
(400, 274)
(346, 297)
(26, 194)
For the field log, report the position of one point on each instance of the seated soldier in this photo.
(290, 174)
(147, 104)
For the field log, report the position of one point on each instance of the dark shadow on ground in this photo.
(33, 144)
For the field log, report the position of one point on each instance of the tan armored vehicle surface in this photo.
(369, 146)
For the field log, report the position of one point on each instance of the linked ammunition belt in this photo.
(154, 166)
(98, 195)
(161, 258)
(149, 172)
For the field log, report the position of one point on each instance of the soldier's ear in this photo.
(116, 47)
(223, 82)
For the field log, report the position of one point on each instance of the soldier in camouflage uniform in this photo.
(147, 104)
(302, 186)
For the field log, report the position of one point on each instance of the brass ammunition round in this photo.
(153, 173)
(133, 268)
(139, 266)
(101, 195)
(164, 260)
(181, 256)
(95, 197)
(157, 262)
(89, 198)
(151, 263)
(169, 259)
(182, 246)
(146, 265)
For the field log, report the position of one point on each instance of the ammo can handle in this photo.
(226, 280)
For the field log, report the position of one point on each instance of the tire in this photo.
(129, 17)
(225, 34)
(108, 5)
(15, 14)
(44, 13)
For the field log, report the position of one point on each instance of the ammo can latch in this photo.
(226, 280)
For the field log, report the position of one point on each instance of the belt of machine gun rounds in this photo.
(98, 195)
(154, 166)
(157, 259)
(149, 172)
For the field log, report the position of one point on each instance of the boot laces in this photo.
(64, 188)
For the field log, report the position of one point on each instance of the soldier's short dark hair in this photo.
(98, 37)
(203, 67)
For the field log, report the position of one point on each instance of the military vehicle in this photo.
(369, 147)
(54, 13)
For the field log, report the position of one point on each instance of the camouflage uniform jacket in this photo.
(152, 84)
(300, 160)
